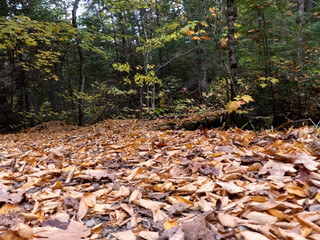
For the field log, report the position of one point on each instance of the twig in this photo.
(176, 56)
(70, 175)
(316, 125)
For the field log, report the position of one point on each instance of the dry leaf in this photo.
(170, 224)
(227, 220)
(248, 235)
(277, 168)
(74, 231)
(127, 235)
(8, 208)
(148, 204)
(147, 235)
(291, 235)
(83, 209)
(97, 229)
(231, 187)
(261, 218)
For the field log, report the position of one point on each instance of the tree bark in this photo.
(82, 80)
(301, 24)
(267, 70)
(233, 63)
(124, 57)
(308, 5)
(201, 70)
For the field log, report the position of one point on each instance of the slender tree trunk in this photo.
(308, 5)
(124, 56)
(23, 101)
(82, 79)
(267, 70)
(201, 70)
(233, 63)
(160, 53)
(301, 24)
(300, 54)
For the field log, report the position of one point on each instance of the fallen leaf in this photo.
(8, 208)
(261, 218)
(126, 235)
(227, 220)
(148, 235)
(149, 204)
(277, 168)
(74, 231)
(230, 187)
(170, 224)
(248, 235)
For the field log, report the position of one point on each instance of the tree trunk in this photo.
(124, 57)
(82, 80)
(160, 53)
(201, 70)
(267, 70)
(308, 5)
(301, 52)
(301, 24)
(23, 101)
(233, 63)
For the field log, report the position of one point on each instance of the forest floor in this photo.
(123, 179)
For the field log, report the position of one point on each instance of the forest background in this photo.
(85, 61)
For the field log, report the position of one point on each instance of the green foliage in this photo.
(26, 37)
(148, 58)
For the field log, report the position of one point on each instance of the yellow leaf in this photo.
(8, 208)
(247, 98)
(179, 199)
(224, 43)
(258, 199)
(189, 146)
(170, 224)
(204, 24)
(30, 42)
(234, 105)
(280, 215)
(57, 185)
(97, 229)
(299, 191)
(318, 197)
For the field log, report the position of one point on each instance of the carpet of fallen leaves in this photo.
(122, 179)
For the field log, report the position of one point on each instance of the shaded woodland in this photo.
(85, 61)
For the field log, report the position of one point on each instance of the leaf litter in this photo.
(127, 180)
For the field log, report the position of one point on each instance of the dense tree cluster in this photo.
(84, 61)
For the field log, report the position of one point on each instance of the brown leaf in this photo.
(277, 168)
(307, 161)
(126, 235)
(148, 235)
(230, 187)
(248, 235)
(227, 220)
(261, 218)
(99, 173)
(74, 231)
